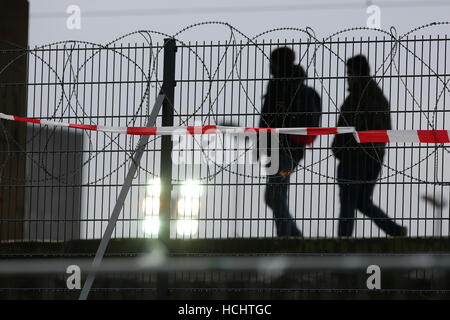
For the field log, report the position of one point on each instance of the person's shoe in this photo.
(403, 232)
(296, 233)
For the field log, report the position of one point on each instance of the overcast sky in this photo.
(104, 20)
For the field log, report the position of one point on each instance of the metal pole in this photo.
(121, 199)
(168, 88)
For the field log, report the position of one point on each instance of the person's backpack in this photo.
(308, 114)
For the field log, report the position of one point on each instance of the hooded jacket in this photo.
(286, 104)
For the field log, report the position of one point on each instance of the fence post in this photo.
(151, 121)
(168, 88)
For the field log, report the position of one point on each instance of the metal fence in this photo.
(62, 184)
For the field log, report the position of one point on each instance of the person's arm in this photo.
(265, 110)
(264, 119)
(318, 109)
(340, 141)
(387, 114)
(315, 116)
(377, 118)
(382, 119)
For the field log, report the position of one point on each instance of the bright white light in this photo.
(187, 227)
(188, 206)
(191, 189)
(151, 226)
(154, 187)
(150, 206)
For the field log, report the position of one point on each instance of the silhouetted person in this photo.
(287, 103)
(365, 108)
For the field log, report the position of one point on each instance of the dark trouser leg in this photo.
(348, 196)
(381, 219)
(276, 198)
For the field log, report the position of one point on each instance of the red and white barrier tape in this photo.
(423, 136)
